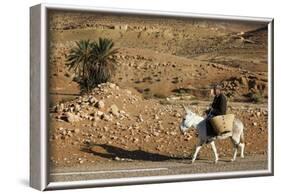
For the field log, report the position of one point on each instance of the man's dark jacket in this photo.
(219, 105)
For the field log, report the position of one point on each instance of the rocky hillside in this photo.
(163, 57)
(161, 64)
(113, 123)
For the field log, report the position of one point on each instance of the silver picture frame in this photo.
(39, 169)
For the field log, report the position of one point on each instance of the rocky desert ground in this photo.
(162, 64)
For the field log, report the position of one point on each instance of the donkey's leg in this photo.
(197, 149)
(242, 147)
(235, 148)
(215, 151)
(242, 144)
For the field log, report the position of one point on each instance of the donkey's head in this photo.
(187, 121)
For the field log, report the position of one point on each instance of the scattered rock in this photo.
(100, 104)
(99, 113)
(59, 108)
(105, 117)
(129, 92)
(77, 107)
(70, 117)
(80, 160)
(243, 81)
(112, 85)
(150, 125)
(156, 134)
(117, 158)
(135, 140)
(140, 119)
(93, 100)
(173, 133)
(114, 110)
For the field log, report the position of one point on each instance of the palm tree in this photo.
(93, 62)
(79, 58)
(103, 62)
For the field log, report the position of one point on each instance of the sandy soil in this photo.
(162, 63)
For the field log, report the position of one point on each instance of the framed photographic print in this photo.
(123, 97)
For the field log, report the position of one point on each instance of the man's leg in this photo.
(210, 130)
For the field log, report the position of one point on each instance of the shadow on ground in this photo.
(111, 152)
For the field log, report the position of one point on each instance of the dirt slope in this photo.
(162, 63)
(111, 118)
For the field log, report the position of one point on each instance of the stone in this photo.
(156, 117)
(93, 100)
(99, 113)
(105, 117)
(156, 134)
(77, 107)
(76, 130)
(81, 161)
(71, 109)
(100, 104)
(129, 92)
(117, 158)
(147, 137)
(60, 107)
(173, 133)
(243, 81)
(255, 124)
(160, 127)
(135, 140)
(114, 110)
(112, 85)
(140, 118)
(70, 117)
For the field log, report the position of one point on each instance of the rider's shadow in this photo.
(111, 152)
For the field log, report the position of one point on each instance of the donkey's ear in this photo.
(193, 108)
(185, 108)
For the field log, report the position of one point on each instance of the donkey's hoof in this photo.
(232, 160)
(216, 161)
(192, 161)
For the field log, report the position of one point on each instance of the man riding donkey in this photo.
(218, 107)
(217, 125)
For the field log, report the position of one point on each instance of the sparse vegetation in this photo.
(256, 98)
(138, 117)
(93, 62)
(159, 95)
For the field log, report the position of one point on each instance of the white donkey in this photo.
(199, 123)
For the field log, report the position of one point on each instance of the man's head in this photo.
(217, 89)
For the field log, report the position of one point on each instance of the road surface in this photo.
(122, 169)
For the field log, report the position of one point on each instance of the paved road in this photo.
(122, 169)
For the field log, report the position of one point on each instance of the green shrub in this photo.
(92, 62)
